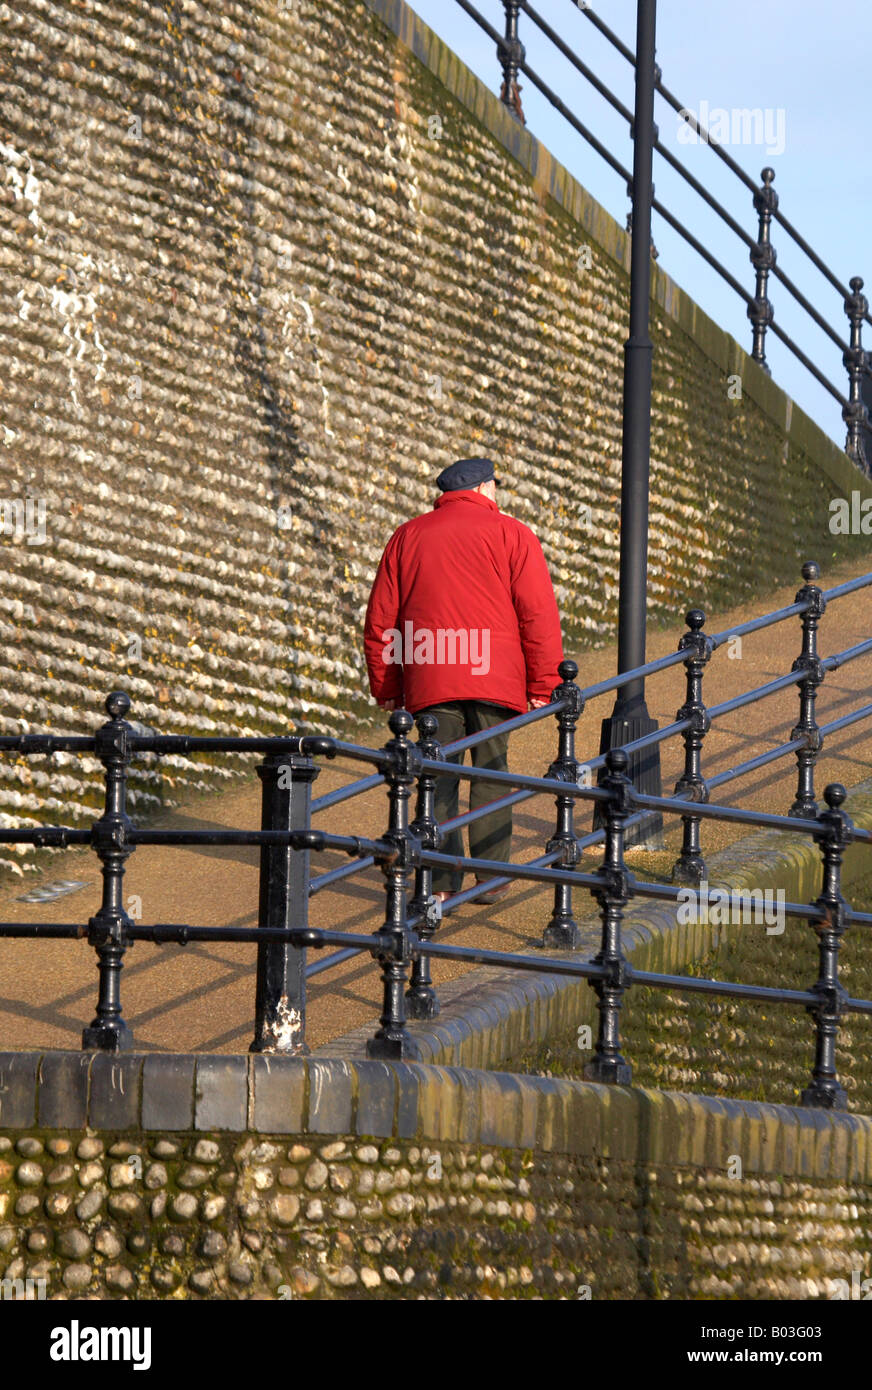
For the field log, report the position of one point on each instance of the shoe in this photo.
(494, 894)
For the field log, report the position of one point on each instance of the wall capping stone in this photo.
(321, 1097)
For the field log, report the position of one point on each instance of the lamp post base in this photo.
(624, 726)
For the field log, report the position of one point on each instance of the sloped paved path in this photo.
(201, 997)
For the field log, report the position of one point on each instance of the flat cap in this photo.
(466, 473)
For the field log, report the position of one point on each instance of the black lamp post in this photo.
(630, 719)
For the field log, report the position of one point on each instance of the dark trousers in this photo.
(491, 836)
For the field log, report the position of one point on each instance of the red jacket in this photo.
(462, 608)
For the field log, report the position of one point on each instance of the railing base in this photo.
(643, 771)
(390, 1049)
(562, 935)
(824, 1097)
(612, 1071)
(689, 871)
(101, 1037)
(422, 1003)
(273, 1050)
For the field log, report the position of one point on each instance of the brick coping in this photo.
(196, 1093)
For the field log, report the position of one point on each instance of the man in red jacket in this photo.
(462, 623)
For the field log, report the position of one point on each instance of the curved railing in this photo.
(760, 248)
(406, 940)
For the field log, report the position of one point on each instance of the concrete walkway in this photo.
(201, 998)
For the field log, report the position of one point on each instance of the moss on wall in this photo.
(265, 275)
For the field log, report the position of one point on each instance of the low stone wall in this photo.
(253, 1177)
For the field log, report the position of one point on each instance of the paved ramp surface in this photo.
(201, 997)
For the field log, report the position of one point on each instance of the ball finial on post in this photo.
(117, 704)
(400, 722)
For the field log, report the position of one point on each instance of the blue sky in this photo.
(806, 68)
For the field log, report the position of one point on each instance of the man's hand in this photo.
(387, 704)
(537, 703)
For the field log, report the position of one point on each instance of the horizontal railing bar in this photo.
(479, 956)
(850, 585)
(316, 840)
(457, 822)
(755, 624)
(636, 744)
(647, 740)
(520, 721)
(701, 250)
(360, 753)
(829, 663)
(649, 669)
(780, 683)
(857, 1006)
(670, 892)
(707, 811)
(723, 155)
(61, 835)
(809, 308)
(551, 96)
(299, 744)
(604, 91)
(314, 937)
(510, 871)
(751, 765)
(845, 720)
(512, 779)
(338, 958)
(365, 784)
(807, 363)
(839, 659)
(812, 255)
(693, 984)
(183, 932)
(322, 881)
(61, 930)
(346, 870)
(470, 894)
(587, 969)
(731, 280)
(704, 809)
(33, 744)
(763, 758)
(333, 798)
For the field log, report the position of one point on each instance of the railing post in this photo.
(854, 413)
(107, 929)
(421, 996)
(689, 867)
(607, 1064)
(809, 663)
(762, 257)
(280, 996)
(391, 1039)
(562, 932)
(511, 53)
(835, 834)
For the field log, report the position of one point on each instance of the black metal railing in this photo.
(512, 57)
(404, 942)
